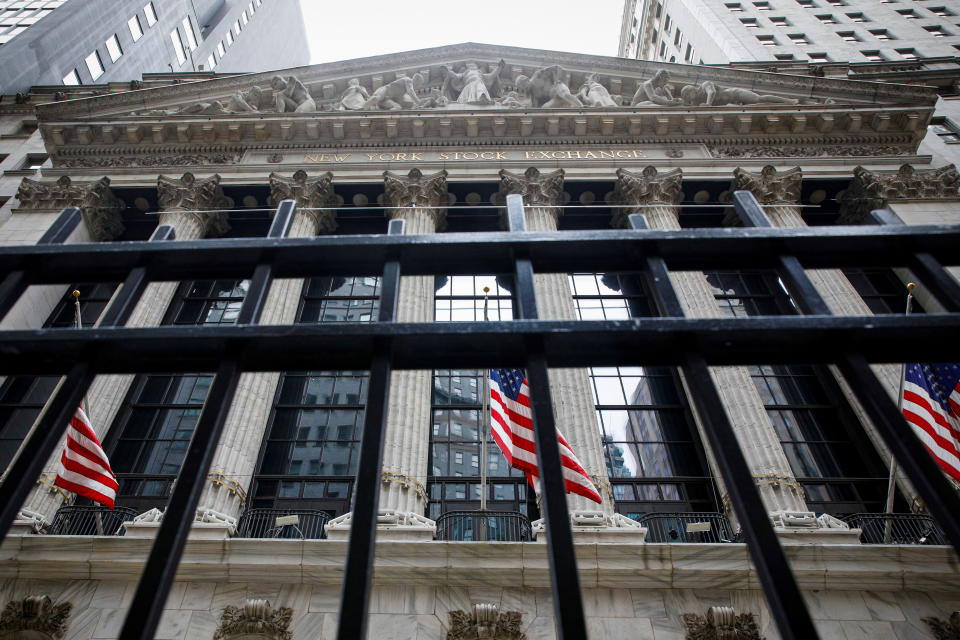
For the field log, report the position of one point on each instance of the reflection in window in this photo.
(340, 300)
(460, 299)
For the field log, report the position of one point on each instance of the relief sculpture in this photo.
(472, 86)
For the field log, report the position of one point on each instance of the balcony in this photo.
(478, 526)
(896, 528)
(695, 526)
(90, 521)
(290, 524)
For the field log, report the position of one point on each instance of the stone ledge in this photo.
(703, 566)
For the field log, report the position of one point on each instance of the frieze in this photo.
(593, 154)
(808, 151)
(192, 160)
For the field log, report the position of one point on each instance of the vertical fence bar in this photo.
(942, 500)
(567, 599)
(783, 594)
(161, 568)
(126, 299)
(16, 282)
(358, 574)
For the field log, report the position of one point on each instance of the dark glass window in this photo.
(882, 290)
(340, 300)
(208, 302)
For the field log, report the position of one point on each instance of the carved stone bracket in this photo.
(37, 614)
(538, 189)
(255, 620)
(945, 629)
(487, 622)
(872, 190)
(101, 208)
(721, 623)
(770, 186)
(190, 194)
(309, 193)
(649, 187)
(416, 189)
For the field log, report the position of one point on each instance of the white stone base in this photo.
(389, 532)
(22, 528)
(615, 529)
(199, 530)
(801, 536)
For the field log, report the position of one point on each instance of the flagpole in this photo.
(78, 323)
(484, 417)
(892, 480)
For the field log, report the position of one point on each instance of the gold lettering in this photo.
(309, 158)
(371, 157)
(415, 156)
(570, 154)
(638, 154)
(528, 155)
(486, 155)
(606, 154)
(401, 156)
(623, 154)
(343, 158)
(500, 155)
(470, 155)
(444, 155)
(590, 154)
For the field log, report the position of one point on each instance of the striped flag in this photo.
(84, 468)
(931, 404)
(512, 429)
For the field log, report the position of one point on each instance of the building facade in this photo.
(76, 42)
(437, 138)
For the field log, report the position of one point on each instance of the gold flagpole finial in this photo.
(486, 289)
(911, 286)
(76, 294)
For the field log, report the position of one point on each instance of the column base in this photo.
(206, 527)
(805, 527)
(22, 528)
(392, 525)
(597, 527)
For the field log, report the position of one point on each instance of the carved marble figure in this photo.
(354, 97)
(472, 86)
(656, 90)
(399, 94)
(291, 95)
(511, 100)
(594, 94)
(436, 99)
(710, 94)
(547, 88)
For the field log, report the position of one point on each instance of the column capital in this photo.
(649, 187)
(538, 189)
(308, 193)
(768, 185)
(870, 190)
(189, 194)
(100, 207)
(429, 192)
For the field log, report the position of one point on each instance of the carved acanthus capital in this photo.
(309, 193)
(721, 623)
(100, 206)
(255, 619)
(485, 621)
(872, 190)
(37, 614)
(945, 629)
(538, 189)
(649, 187)
(190, 194)
(416, 189)
(770, 186)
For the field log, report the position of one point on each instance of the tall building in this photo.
(438, 138)
(94, 42)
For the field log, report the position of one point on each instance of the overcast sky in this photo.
(358, 28)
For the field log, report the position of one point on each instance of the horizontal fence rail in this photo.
(381, 347)
(498, 526)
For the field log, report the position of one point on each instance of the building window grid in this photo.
(908, 54)
(946, 130)
(937, 31)
(858, 17)
(799, 39)
(780, 22)
(827, 19)
(136, 29)
(848, 36)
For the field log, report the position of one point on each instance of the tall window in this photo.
(653, 456)
(178, 46)
(23, 397)
(136, 31)
(825, 445)
(312, 446)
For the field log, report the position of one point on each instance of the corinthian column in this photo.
(657, 195)
(573, 405)
(235, 460)
(184, 204)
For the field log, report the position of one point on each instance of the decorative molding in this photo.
(485, 622)
(872, 190)
(417, 190)
(308, 193)
(255, 620)
(100, 207)
(538, 189)
(408, 482)
(38, 614)
(189, 194)
(120, 162)
(649, 187)
(770, 186)
(820, 151)
(721, 623)
(948, 629)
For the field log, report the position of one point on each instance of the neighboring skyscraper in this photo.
(696, 31)
(73, 42)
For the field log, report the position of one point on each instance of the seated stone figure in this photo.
(291, 95)
(709, 93)
(399, 94)
(353, 98)
(594, 94)
(548, 89)
(656, 90)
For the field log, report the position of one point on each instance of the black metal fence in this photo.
(90, 521)
(687, 527)
(498, 526)
(694, 345)
(896, 528)
(282, 523)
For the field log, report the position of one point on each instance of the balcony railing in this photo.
(896, 528)
(687, 527)
(90, 521)
(496, 526)
(282, 523)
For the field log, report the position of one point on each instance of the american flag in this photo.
(512, 429)
(84, 468)
(931, 404)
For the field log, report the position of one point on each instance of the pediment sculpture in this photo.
(35, 616)
(471, 85)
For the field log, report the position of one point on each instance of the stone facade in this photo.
(425, 137)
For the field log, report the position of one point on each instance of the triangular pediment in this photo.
(484, 92)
